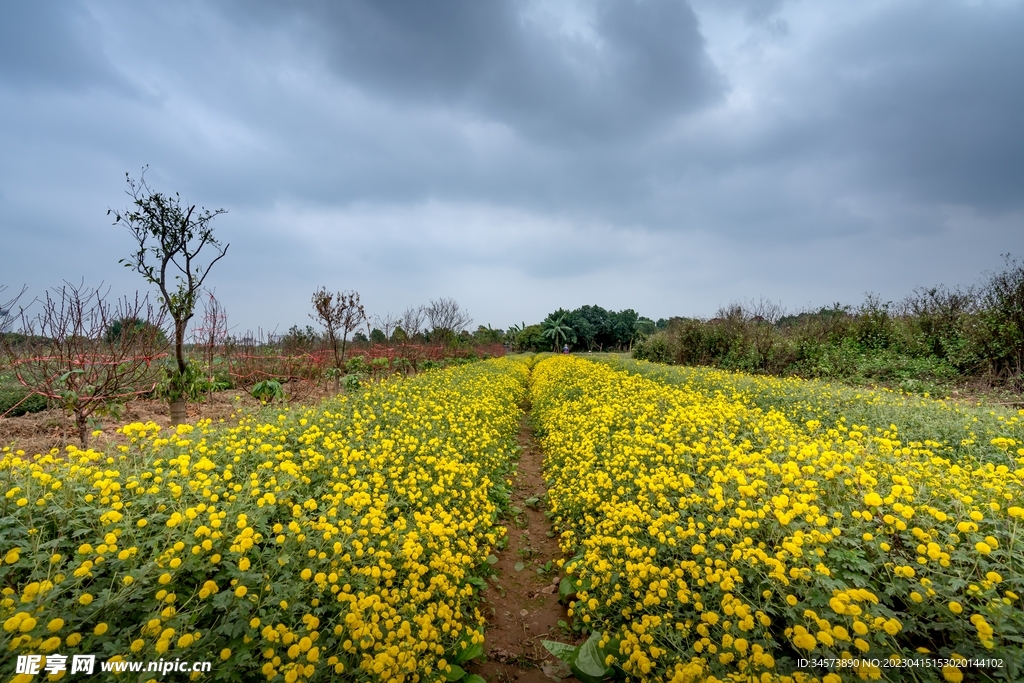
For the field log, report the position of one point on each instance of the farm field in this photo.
(347, 540)
(711, 537)
(712, 526)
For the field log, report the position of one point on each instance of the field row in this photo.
(712, 538)
(348, 540)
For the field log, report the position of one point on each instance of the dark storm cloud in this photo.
(931, 97)
(628, 66)
(679, 154)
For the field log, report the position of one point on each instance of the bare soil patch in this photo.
(522, 603)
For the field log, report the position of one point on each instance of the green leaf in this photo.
(565, 589)
(477, 581)
(520, 566)
(472, 652)
(475, 678)
(589, 664)
(491, 559)
(565, 652)
(456, 674)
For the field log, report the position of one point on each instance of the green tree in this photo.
(170, 236)
(557, 331)
(531, 338)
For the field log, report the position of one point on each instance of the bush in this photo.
(1001, 323)
(15, 401)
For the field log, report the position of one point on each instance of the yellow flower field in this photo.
(344, 541)
(712, 539)
(955, 430)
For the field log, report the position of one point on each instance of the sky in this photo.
(520, 156)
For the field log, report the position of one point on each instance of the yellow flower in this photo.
(225, 654)
(100, 629)
(952, 674)
(241, 591)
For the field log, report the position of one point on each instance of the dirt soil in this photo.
(522, 606)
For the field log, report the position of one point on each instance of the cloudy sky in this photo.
(519, 156)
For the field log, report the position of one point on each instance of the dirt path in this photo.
(522, 602)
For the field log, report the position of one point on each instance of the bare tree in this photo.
(91, 357)
(170, 237)
(386, 324)
(211, 332)
(7, 312)
(412, 320)
(445, 316)
(339, 313)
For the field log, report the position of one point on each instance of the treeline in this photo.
(933, 337)
(588, 328)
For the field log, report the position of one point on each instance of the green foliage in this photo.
(20, 401)
(531, 338)
(356, 364)
(1001, 322)
(557, 331)
(300, 338)
(268, 390)
(932, 338)
(189, 385)
(488, 335)
(127, 329)
(352, 382)
(595, 329)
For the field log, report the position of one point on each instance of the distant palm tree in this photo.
(557, 331)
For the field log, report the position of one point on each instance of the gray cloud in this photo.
(51, 45)
(523, 156)
(626, 67)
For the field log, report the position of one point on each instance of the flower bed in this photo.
(346, 540)
(712, 539)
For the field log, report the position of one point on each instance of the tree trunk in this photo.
(337, 383)
(178, 413)
(179, 344)
(83, 429)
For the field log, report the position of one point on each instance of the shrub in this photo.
(15, 401)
